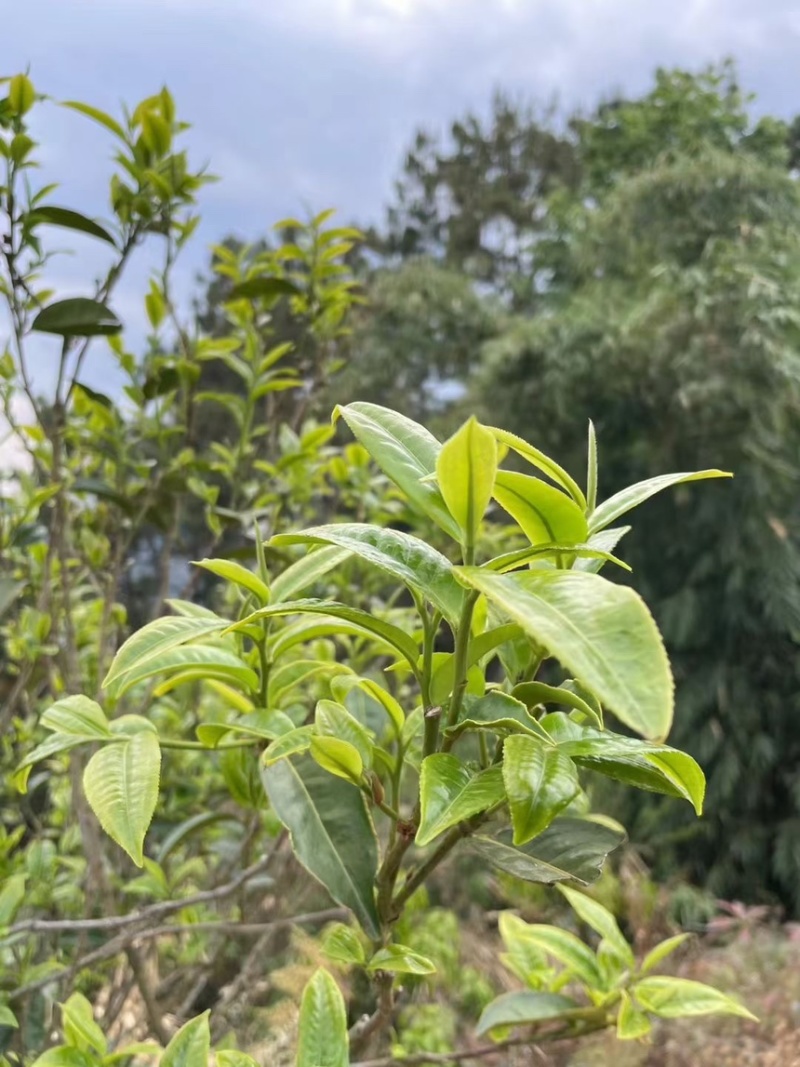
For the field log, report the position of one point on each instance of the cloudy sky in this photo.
(309, 103)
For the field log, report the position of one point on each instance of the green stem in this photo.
(170, 742)
(460, 663)
(431, 715)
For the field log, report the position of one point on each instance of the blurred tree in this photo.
(478, 201)
(417, 340)
(680, 337)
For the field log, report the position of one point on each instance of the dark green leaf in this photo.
(77, 317)
(70, 220)
(524, 1007)
(569, 849)
(332, 833)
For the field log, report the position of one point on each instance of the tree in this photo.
(417, 339)
(478, 201)
(680, 337)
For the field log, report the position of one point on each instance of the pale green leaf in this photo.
(525, 1007)
(676, 998)
(337, 757)
(239, 575)
(342, 944)
(399, 959)
(663, 949)
(190, 1046)
(333, 720)
(80, 1029)
(603, 633)
(306, 571)
(450, 793)
(543, 463)
(601, 921)
(631, 1024)
(627, 499)
(465, 471)
(322, 1030)
(121, 785)
(540, 782)
(404, 451)
(158, 637)
(399, 640)
(546, 515)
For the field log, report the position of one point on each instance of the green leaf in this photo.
(543, 463)
(337, 757)
(657, 768)
(540, 782)
(589, 557)
(305, 572)
(64, 1056)
(121, 785)
(603, 633)
(631, 1024)
(78, 716)
(567, 949)
(21, 94)
(332, 833)
(603, 543)
(524, 1008)
(450, 793)
(500, 713)
(322, 1030)
(399, 640)
(568, 849)
(158, 637)
(661, 951)
(465, 471)
(12, 896)
(533, 693)
(342, 685)
(8, 1018)
(342, 944)
(399, 554)
(71, 220)
(80, 1029)
(77, 317)
(231, 1057)
(399, 959)
(333, 720)
(634, 495)
(404, 451)
(9, 591)
(239, 575)
(591, 471)
(98, 116)
(676, 998)
(190, 1046)
(263, 289)
(290, 743)
(545, 514)
(601, 921)
(188, 663)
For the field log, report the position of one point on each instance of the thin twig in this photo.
(151, 913)
(122, 942)
(458, 1056)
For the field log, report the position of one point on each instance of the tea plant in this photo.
(382, 779)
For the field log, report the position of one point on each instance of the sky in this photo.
(300, 105)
